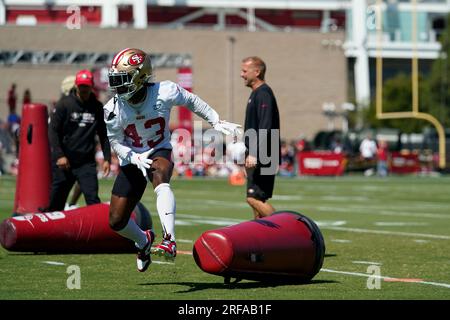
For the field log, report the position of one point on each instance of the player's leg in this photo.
(160, 174)
(127, 191)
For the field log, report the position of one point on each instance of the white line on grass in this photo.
(341, 240)
(358, 274)
(184, 241)
(361, 210)
(421, 241)
(400, 224)
(161, 262)
(407, 234)
(54, 263)
(368, 262)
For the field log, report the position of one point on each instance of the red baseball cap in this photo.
(84, 77)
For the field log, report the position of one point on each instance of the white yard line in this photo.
(399, 224)
(364, 210)
(368, 262)
(406, 234)
(358, 274)
(54, 263)
(341, 240)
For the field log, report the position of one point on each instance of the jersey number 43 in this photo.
(158, 136)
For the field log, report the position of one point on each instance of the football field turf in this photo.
(399, 226)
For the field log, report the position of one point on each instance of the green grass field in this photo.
(399, 224)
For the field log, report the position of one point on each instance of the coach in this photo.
(262, 137)
(75, 121)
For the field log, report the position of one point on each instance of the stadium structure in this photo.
(320, 54)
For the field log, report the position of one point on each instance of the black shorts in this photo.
(130, 181)
(259, 186)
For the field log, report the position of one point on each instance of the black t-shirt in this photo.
(262, 113)
(72, 129)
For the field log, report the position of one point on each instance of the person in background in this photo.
(67, 85)
(74, 123)
(12, 98)
(261, 115)
(368, 151)
(382, 158)
(27, 96)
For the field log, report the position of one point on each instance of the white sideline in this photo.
(358, 274)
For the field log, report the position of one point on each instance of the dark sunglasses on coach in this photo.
(118, 79)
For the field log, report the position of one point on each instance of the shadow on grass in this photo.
(198, 286)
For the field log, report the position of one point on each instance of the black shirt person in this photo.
(76, 120)
(262, 137)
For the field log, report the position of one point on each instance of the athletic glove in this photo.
(141, 161)
(227, 127)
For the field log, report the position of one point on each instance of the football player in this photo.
(137, 121)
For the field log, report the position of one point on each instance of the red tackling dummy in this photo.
(82, 230)
(34, 177)
(285, 246)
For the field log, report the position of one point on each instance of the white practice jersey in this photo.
(146, 127)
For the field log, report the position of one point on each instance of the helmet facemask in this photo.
(122, 83)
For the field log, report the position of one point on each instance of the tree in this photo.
(397, 97)
(438, 81)
(434, 94)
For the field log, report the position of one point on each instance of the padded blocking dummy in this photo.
(34, 174)
(285, 246)
(82, 230)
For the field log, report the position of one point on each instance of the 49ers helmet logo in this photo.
(136, 59)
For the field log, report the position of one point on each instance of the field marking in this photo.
(184, 252)
(408, 234)
(185, 241)
(344, 198)
(421, 241)
(341, 240)
(360, 210)
(54, 263)
(385, 278)
(331, 225)
(367, 262)
(161, 262)
(286, 198)
(400, 224)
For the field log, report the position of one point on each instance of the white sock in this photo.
(165, 204)
(133, 232)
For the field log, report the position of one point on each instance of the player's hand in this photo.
(106, 168)
(250, 162)
(227, 127)
(141, 161)
(63, 163)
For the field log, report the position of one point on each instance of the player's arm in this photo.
(203, 110)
